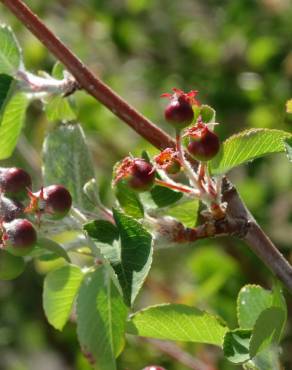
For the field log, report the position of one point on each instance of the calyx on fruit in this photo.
(137, 173)
(168, 161)
(204, 144)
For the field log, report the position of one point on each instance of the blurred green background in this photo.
(238, 54)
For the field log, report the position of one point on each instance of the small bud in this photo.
(168, 161)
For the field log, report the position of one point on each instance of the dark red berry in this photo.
(19, 236)
(137, 173)
(14, 182)
(179, 111)
(57, 200)
(204, 144)
(10, 209)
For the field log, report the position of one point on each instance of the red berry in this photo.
(154, 367)
(10, 209)
(204, 144)
(179, 111)
(14, 182)
(138, 174)
(58, 200)
(19, 236)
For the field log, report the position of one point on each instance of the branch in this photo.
(172, 350)
(236, 211)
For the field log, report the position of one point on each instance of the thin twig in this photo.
(172, 350)
(252, 233)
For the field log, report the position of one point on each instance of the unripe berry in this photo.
(14, 182)
(154, 367)
(58, 200)
(10, 266)
(204, 144)
(19, 237)
(137, 173)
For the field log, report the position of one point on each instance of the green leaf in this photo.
(10, 52)
(135, 255)
(129, 200)
(54, 247)
(6, 83)
(185, 212)
(267, 330)
(246, 146)
(289, 106)
(60, 288)
(253, 299)
(11, 123)
(101, 318)
(208, 114)
(67, 161)
(266, 360)
(59, 108)
(102, 231)
(164, 197)
(177, 322)
(236, 345)
(288, 147)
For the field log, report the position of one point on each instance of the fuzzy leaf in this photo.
(10, 52)
(246, 146)
(11, 123)
(135, 255)
(67, 161)
(60, 289)
(101, 317)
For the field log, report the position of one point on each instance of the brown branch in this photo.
(87, 80)
(237, 213)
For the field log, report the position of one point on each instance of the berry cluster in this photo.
(18, 235)
(202, 145)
